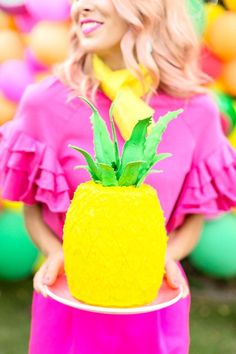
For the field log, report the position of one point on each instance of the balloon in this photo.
(197, 14)
(33, 63)
(225, 124)
(11, 46)
(232, 138)
(215, 252)
(210, 64)
(49, 42)
(8, 204)
(230, 4)
(6, 22)
(229, 77)
(15, 76)
(25, 22)
(212, 12)
(7, 109)
(13, 7)
(221, 36)
(217, 85)
(17, 252)
(52, 10)
(226, 106)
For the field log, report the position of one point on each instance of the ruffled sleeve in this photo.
(30, 170)
(210, 185)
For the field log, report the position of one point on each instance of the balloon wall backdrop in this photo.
(34, 36)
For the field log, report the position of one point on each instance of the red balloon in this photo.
(225, 124)
(210, 64)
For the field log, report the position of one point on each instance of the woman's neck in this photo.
(113, 58)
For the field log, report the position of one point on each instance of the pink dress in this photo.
(37, 166)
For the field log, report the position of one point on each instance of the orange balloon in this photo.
(50, 42)
(230, 4)
(7, 109)
(222, 36)
(11, 46)
(6, 21)
(229, 77)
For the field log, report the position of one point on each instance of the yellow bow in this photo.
(130, 107)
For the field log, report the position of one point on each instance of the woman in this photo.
(156, 41)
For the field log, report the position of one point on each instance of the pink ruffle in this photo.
(30, 172)
(210, 187)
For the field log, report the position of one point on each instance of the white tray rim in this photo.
(111, 310)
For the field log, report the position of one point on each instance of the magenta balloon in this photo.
(25, 22)
(33, 63)
(52, 10)
(15, 76)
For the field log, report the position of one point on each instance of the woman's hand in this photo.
(174, 277)
(49, 271)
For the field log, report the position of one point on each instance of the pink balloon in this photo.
(33, 63)
(52, 10)
(25, 22)
(15, 76)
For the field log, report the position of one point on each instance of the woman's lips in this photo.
(88, 27)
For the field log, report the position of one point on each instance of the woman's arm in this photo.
(181, 242)
(48, 243)
(40, 233)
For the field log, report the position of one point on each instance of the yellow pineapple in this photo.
(114, 234)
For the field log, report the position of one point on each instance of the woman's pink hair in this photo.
(162, 35)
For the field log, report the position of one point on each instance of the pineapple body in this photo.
(114, 245)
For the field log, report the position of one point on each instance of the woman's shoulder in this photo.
(46, 93)
(200, 112)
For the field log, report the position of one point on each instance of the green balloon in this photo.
(215, 254)
(226, 106)
(17, 251)
(197, 13)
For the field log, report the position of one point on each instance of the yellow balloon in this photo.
(230, 4)
(11, 46)
(8, 204)
(212, 12)
(7, 109)
(232, 138)
(50, 42)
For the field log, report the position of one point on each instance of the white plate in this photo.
(166, 297)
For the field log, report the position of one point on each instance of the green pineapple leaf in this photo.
(134, 147)
(103, 145)
(149, 164)
(116, 149)
(92, 168)
(146, 170)
(156, 133)
(139, 152)
(130, 174)
(108, 175)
